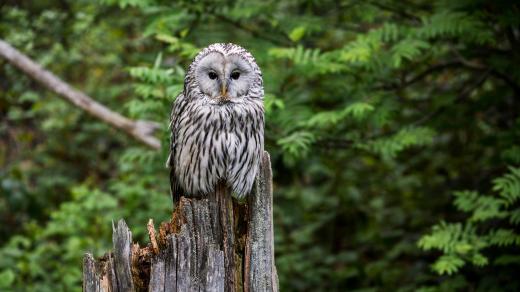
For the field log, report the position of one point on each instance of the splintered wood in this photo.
(210, 244)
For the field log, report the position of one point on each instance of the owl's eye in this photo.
(212, 75)
(235, 75)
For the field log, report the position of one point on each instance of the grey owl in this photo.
(217, 123)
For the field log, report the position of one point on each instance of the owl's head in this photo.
(225, 73)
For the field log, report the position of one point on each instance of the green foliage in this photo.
(324, 119)
(467, 241)
(375, 112)
(296, 145)
(508, 186)
(405, 138)
(408, 49)
(456, 24)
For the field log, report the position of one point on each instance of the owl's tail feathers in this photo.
(175, 189)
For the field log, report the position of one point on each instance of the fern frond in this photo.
(184, 49)
(452, 238)
(357, 111)
(312, 61)
(137, 157)
(455, 24)
(271, 102)
(508, 186)
(298, 55)
(503, 237)
(479, 259)
(388, 32)
(488, 208)
(514, 216)
(405, 138)
(482, 207)
(466, 200)
(152, 75)
(146, 90)
(360, 51)
(143, 108)
(448, 264)
(297, 144)
(407, 49)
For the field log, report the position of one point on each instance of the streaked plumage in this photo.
(217, 123)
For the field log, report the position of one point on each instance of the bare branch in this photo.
(140, 130)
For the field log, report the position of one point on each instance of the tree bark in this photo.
(210, 244)
(141, 130)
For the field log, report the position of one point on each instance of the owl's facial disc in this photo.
(224, 78)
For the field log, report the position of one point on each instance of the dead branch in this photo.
(141, 130)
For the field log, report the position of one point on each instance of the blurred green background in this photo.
(393, 128)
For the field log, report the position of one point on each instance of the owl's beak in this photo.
(223, 91)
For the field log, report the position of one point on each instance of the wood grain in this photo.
(211, 244)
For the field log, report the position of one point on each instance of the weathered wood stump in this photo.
(210, 244)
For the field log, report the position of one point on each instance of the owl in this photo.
(217, 123)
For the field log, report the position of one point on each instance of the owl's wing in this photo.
(177, 108)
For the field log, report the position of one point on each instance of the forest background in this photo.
(393, 128)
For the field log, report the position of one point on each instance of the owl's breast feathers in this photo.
(215, 142)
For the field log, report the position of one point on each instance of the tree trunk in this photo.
(210, 244)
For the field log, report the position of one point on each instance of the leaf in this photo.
(357, 111)
(29, 96)
(466, 200)
(503, 237)
(296, 144)
(508, 185)
(514, 216)
(6, 278)
(448, 264)
(271, 102)
(407, 49)
(479, 260)
(158, 61)
(297, 33)
(407, 137)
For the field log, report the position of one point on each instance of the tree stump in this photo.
(210, 244)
